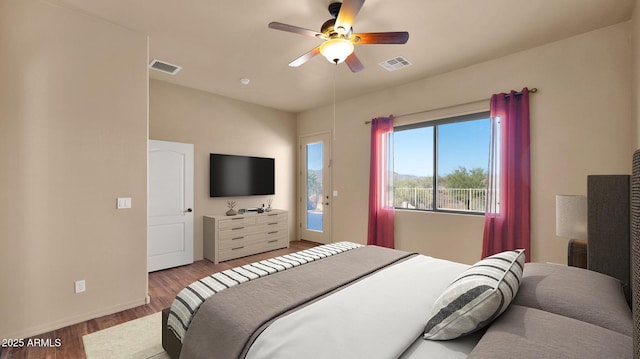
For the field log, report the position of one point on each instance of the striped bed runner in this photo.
(190, 298)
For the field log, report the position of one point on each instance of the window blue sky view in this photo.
(460, 144)
(413, 152)
(314, 156)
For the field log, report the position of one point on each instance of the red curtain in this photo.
(381, 212)
(507, 219)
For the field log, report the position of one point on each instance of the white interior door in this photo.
(315, 188)
(170, 233)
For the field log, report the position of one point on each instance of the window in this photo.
(442, 165)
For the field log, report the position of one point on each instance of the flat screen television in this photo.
(233, 176)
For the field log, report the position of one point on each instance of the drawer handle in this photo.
(236, 238)
(274, 232)
(272, 241)
(236, 228)
(236, 219)
(236, 248)
(272, 214)
(272, 223)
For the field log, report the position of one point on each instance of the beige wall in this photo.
(635, 37)
(215, 124)
(73, 129)
(73, 134)
(580, 125)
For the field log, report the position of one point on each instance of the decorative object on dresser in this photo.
(231, 211)
(246, 234)
(609, 226)
(571, 222)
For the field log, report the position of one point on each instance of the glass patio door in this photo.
(315, 204)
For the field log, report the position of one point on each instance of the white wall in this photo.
(580, 124)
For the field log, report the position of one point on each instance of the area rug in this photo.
(140, 339)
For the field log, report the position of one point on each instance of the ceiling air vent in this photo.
(395, 63)
(164, 67)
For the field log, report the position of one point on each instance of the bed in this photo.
(346, 300)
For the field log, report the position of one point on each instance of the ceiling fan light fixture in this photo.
(336, 50)
(338, 36)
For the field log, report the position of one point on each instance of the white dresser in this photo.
(230, 237)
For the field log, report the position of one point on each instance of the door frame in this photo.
(326, 236)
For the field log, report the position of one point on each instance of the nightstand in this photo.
(577, 253)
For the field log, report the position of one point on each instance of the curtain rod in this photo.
(532, 90)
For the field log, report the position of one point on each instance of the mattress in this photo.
(361, 302)
(188, 301)
(380, 316)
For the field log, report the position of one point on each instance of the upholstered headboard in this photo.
(635, 252)
(608, 198)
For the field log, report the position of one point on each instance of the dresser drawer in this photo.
(273, 226)
(240, 231)
(240, 241)
(236, 222)
(272, 217)
(232, 237)
(262, 245)
(237, 231)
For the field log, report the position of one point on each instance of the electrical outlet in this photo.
(80, 286)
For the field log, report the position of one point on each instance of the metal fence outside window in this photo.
(455, 199)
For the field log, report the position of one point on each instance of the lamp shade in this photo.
(571, 216)
(336, 50)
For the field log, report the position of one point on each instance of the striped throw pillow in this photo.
(477, 297)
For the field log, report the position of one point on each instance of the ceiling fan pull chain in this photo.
(335, 70)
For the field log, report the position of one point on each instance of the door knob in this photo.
(189, 210)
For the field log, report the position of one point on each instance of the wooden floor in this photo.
(163, 287)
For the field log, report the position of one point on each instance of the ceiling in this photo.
(219, 42)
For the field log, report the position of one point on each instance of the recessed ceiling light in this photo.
(244, 81)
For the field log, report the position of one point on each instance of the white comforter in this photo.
(379, 317)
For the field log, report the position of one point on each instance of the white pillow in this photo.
(477, 297)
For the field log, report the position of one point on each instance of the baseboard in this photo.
(49, 327)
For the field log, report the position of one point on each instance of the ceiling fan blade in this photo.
(354, 63)
(295, 29)
(399, 37)
(304, 58)
(347, 14)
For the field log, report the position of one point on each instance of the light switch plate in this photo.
(124, 202)
(80, 286)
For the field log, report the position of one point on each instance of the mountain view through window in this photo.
(442, 165)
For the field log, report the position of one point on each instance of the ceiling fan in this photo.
(338, 36)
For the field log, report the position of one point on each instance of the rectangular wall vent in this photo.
(164, 67)
(395, 63)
